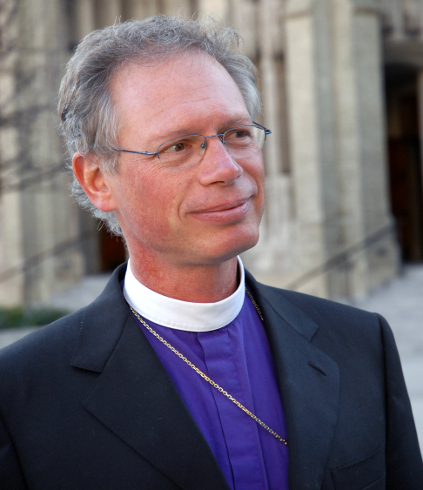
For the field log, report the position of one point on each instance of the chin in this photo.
(233, 247)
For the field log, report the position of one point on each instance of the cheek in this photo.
(257, 174)
(255, 171)
(157, 194)
(258, 169)
(261, 179)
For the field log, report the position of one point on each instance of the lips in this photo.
(223, 207)
(224, 212)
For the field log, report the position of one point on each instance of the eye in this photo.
(239, 134)
(238, 138)
(175, 147)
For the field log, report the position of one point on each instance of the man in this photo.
(185, 372)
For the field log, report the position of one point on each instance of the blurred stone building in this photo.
(342, 85)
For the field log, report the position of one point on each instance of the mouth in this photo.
(225, 212)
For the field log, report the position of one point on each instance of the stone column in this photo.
(44, 223)
(361, 140)
(11, 280)
(261, 25)
(312, 138)
(84, 18)
(272, 251)
(140, 9)
(337, 142)
(218, 9)
(243, 14)
(397, 15)
(108, 13)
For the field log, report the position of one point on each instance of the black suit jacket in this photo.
(86, 404)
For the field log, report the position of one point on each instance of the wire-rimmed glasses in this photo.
(240, 142)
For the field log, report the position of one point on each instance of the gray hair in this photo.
(88, 118)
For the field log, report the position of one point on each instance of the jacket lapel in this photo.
(309, 385)
(135, 398)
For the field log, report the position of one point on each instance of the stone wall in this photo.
(327, 227)
(38, 222)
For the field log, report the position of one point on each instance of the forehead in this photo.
(185, 90)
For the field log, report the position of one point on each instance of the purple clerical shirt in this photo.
(237, 357)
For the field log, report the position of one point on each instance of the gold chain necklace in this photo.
(206, 378)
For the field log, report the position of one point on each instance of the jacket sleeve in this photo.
(11, 476)
(404, 468)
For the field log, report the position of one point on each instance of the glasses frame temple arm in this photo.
(266, 131)
(138, 152)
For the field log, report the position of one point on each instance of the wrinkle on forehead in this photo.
(194, 63)
(191, 94)
(167, 62)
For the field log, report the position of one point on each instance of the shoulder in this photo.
(52, 344)
(337, 329)
(319, 309)
(51, 348)
(35, 370)
(325, 311)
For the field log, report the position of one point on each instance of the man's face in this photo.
(197, 215)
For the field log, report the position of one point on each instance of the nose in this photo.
(217, 166)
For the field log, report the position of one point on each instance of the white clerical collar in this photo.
(182, 315)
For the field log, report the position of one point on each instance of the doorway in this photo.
(404, 157)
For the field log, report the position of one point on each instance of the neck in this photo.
(193, 283)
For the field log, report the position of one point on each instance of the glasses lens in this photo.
(183, 151)
(244, 141)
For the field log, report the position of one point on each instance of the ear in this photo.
(94, 181)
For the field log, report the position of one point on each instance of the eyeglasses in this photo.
(240, 142)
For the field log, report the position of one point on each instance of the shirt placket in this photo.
(226, 365)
